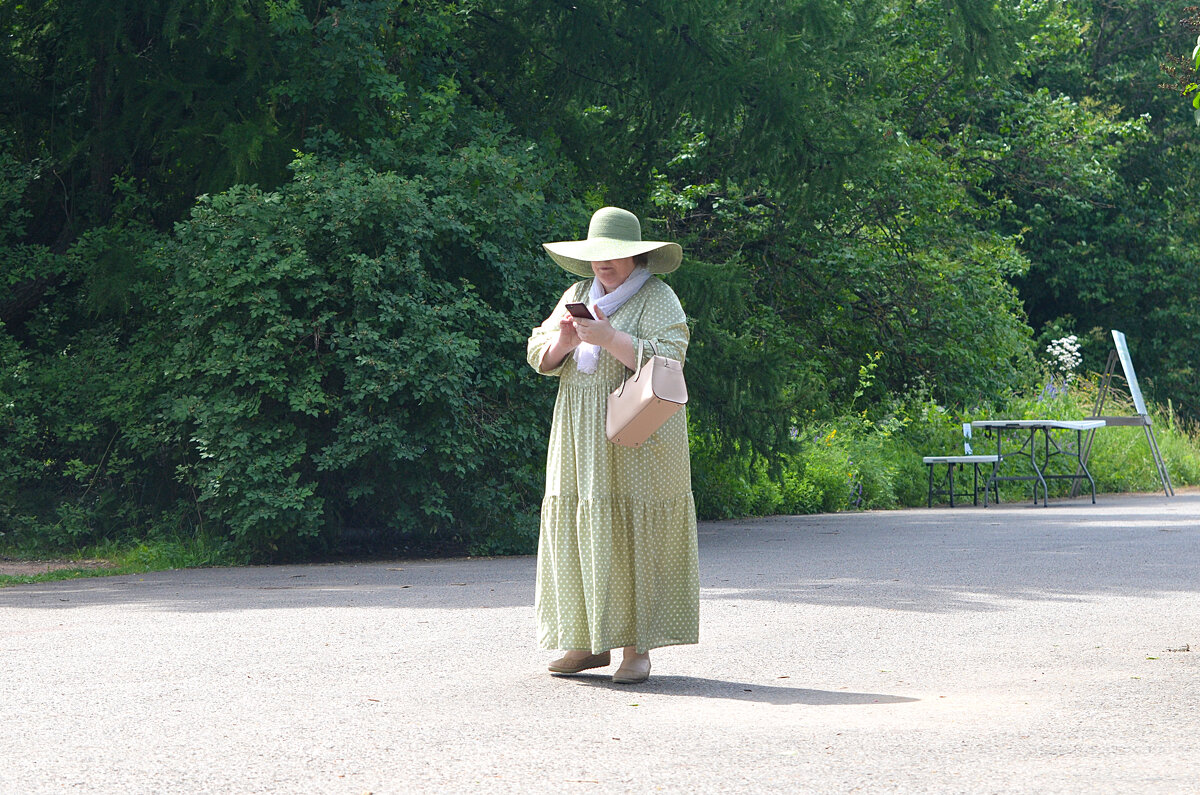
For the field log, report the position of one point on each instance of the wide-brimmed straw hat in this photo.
(614, 234)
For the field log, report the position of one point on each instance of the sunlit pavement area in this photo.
(973, 650)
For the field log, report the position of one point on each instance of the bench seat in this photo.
(961, 459)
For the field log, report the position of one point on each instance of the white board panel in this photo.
(1135, 391)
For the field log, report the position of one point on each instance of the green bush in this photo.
(84, 454)
(350, 359)
(816, 477)
(729, 485)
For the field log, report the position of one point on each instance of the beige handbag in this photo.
(646, 399)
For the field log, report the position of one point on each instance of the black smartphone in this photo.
(580, 310)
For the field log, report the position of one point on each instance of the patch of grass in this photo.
(113, 557)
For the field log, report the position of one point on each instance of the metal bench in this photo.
(945, 487)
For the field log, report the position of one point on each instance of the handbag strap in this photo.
(641, 342)
(653, 352)
(638, 371)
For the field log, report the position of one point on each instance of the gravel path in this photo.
(1012, 649)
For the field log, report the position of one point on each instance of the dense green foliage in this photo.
(267, 266)
(357, 327)
(1105, 207)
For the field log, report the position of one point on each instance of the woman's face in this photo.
(613, 272)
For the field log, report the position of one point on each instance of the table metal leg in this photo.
(931, 466)
(1083, 465)
(1038, 470)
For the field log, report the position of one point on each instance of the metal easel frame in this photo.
(1142, 419)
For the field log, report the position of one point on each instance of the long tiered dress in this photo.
(617, 562)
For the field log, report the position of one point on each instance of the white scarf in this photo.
(587, 355)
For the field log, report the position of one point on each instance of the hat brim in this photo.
(577, 256)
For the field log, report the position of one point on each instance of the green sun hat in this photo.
(614, 234)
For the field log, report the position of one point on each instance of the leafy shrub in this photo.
(351, 352)
(84, 456)
(814, 478)
(728, 484)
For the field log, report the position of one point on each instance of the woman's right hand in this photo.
(568, 336)
(562, 346)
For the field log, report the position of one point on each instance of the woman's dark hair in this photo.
(641, 260)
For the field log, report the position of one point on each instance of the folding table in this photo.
(1027, 431)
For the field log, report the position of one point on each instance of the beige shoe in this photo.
(632, 674)
(574, 665)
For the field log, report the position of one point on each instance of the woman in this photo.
(617, 563)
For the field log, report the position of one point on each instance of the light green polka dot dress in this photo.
(617, 561)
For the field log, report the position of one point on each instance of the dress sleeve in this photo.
(543, 336)
(664, 324)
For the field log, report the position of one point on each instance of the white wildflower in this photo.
(1064, 355)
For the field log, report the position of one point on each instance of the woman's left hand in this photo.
(596, 332)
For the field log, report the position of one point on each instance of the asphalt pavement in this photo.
(1010, 649)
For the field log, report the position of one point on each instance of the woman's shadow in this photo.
(742, 691)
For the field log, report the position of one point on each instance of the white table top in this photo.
(1070, 425)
